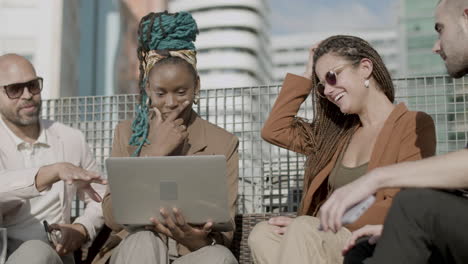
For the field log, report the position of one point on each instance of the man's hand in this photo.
(343, 198)
(70, 174)
(175, 227)
(170, 132)
(281, 223)
(73, 237)
(374, 231)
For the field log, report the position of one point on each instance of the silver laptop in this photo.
(196, 185)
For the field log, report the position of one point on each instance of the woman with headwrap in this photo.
(166, 125)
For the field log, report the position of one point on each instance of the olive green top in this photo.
(342, 175)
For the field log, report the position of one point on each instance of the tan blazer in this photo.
(204, 138)
(405, 136)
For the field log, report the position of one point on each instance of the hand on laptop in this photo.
(174, 226)
(170, 130)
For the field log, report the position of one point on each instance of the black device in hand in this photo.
(53, 236)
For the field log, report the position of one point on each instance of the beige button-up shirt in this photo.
(20, 163)
(25, 224)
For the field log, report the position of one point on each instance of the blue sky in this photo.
(289, 16)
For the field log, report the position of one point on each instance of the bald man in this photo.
(42, 165)
(423, 225)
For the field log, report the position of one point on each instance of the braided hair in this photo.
(330, 128)
(159, 32)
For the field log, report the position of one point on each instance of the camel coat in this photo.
(204, 138)
(405, 136)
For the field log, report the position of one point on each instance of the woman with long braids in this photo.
(356, 128)
(166, 125)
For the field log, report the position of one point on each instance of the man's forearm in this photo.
(46, 176)
(449, 171)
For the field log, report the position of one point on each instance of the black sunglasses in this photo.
(15, 90)
(330, 79)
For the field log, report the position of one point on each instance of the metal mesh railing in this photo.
(270, 177)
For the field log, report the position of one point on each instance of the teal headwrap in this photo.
(173, 33)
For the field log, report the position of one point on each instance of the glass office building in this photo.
(416, 22)
(446, 99)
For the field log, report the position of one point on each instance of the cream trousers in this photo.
(302, 243)
(144, 247)
(37, 252)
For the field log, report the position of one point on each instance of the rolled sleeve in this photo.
(20, 184)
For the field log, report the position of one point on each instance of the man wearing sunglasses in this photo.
(423, 225)
(43, 164)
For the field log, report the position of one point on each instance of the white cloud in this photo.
(304, 16)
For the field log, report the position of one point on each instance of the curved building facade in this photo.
(233, 44)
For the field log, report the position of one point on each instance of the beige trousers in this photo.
(302, 243)
(37, 252)
(144, 247)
